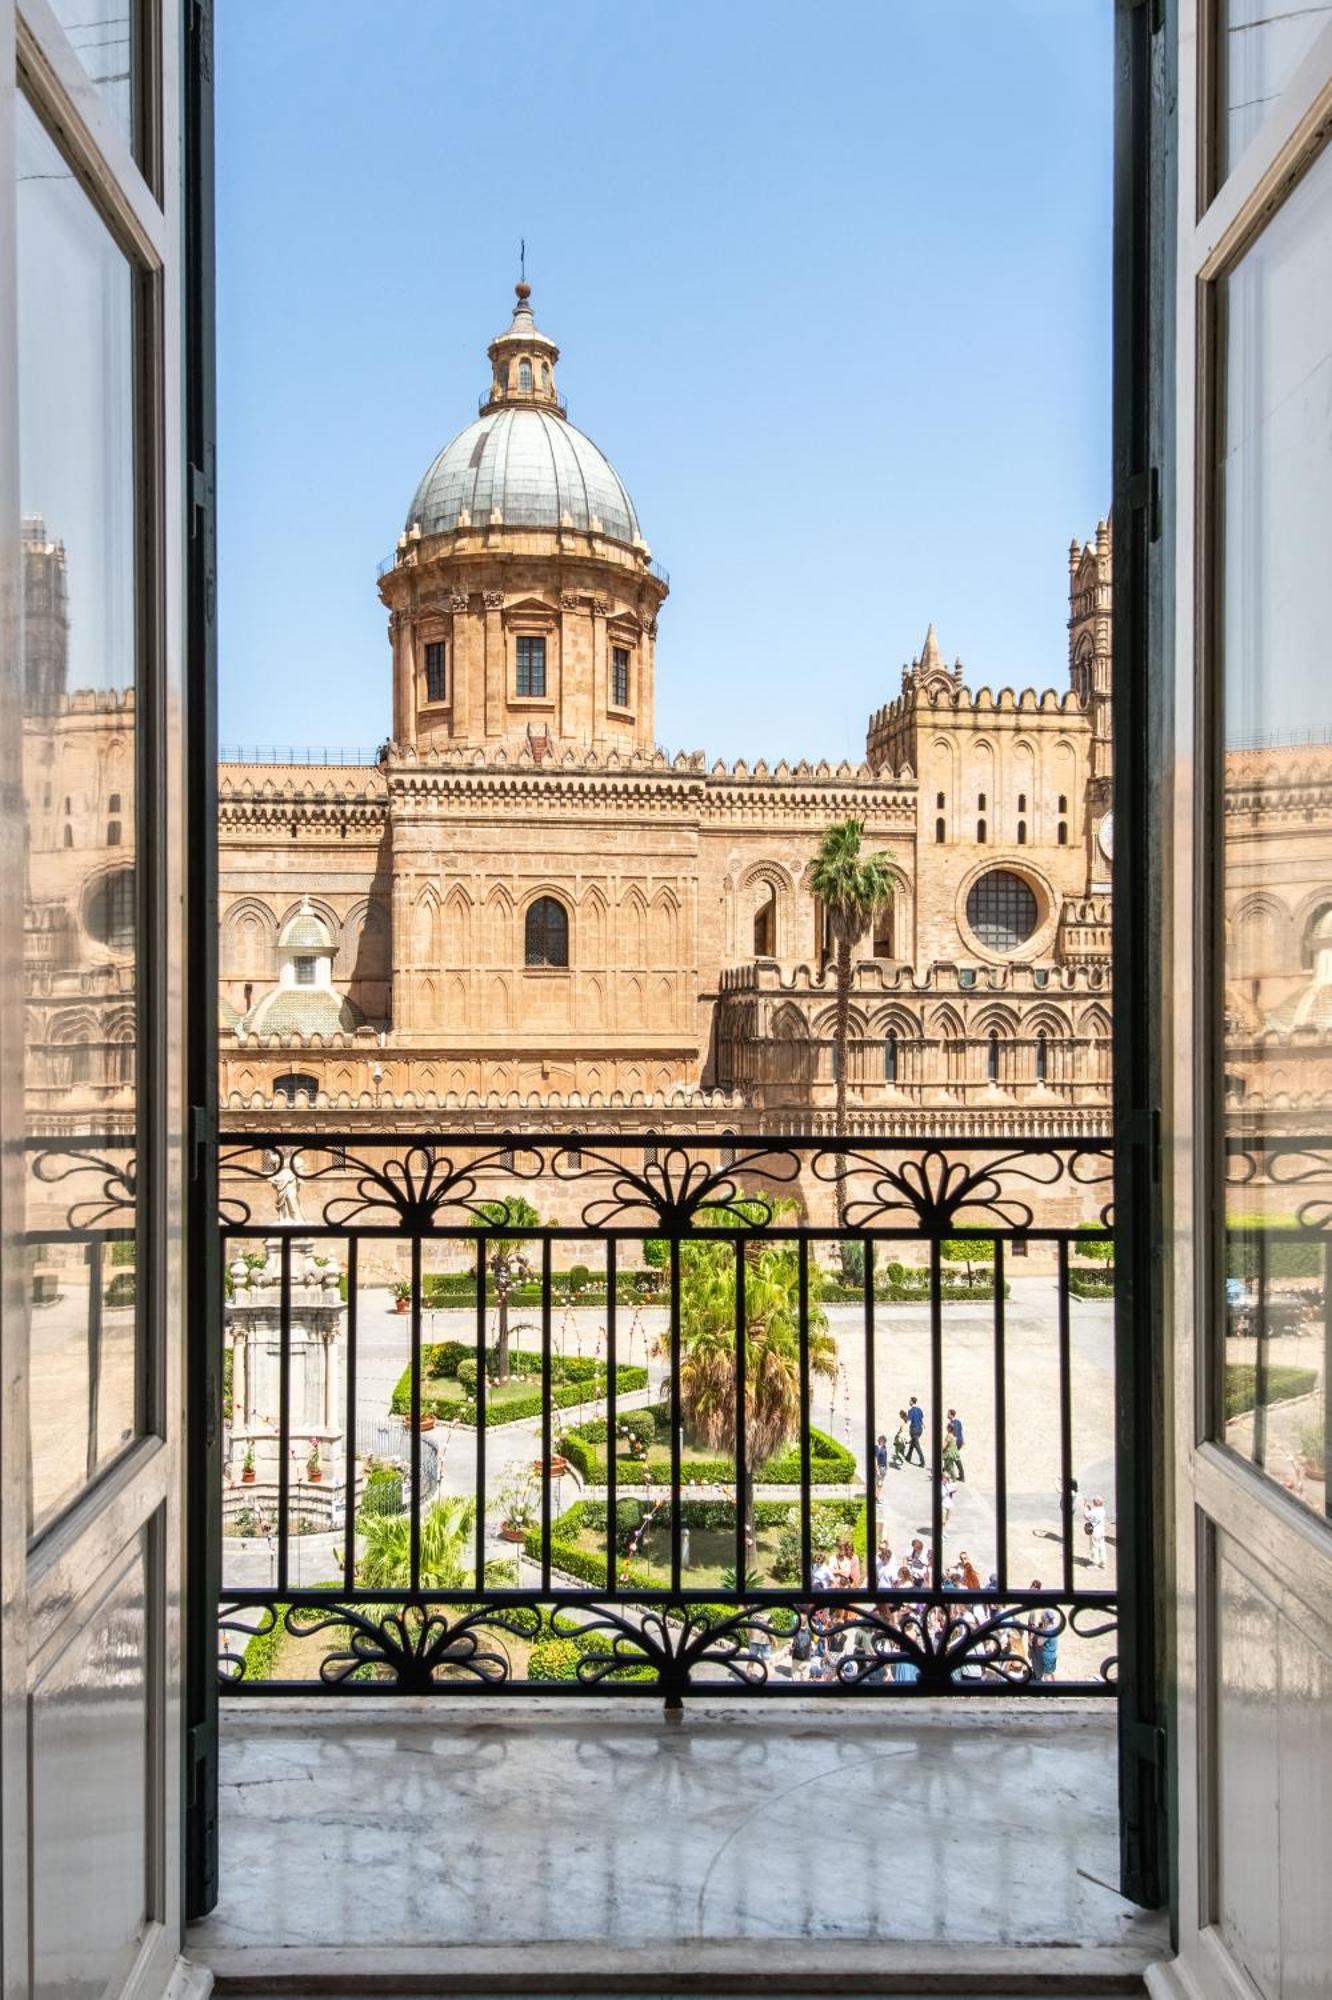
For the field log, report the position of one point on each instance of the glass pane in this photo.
(1275, 500)
(1263, 41)
(102, 36)
(76, 441)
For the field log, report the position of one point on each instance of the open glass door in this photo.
(91, 894)
(1251, 939)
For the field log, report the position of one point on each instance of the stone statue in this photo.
(286, 1189)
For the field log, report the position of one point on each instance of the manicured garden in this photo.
(449, 1382)
(578, 1541)
(643, 1455)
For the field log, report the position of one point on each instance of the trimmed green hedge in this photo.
(260, 1655)
(1284, 1385)
(1255, 1242)
(831, 1464)
(1094, 1284)
(443, 1289)
(575, 1379)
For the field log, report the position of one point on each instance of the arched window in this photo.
(69, 836)
(1001, 910)
(1314, 918)
(546, 934)
(1022, 833)
(980, 833)
(524, 374)
(1042, 1056)
(992, 1057)
(980, 802)
(1022, 802)
(939, 833)
(1063, 802)
(109, 911)
(545, 375)
(113, 833)
(295, 1084)
(939, 801)
(1063, 833)
(890, 1056)
(765, 927)
(883, 931)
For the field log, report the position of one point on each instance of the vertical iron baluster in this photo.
(1327, 1377)
(741, 1453)
(806, 1524)
(675, 1413)
(935, 1467)
(546, 1445)
(871, 1510)
(1066, 1412)
(1000, 1423)
(284, 1407)
(349, 1456)
(612, 1414)
(481, 1386)
(414, 1529)
(1260, 1385)
(95, 1280)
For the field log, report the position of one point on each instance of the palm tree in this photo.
(708, 1343)
(853, 888)
(447, 1528)
(507, 1265)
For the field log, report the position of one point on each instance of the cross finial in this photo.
(522, 257)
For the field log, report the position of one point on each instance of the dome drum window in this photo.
(530, 666)
(435, 671)
(1002, 911)
(619, 677)
(546, 934)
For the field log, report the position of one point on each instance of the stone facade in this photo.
(693, 987)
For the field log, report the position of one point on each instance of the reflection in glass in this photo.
(1263, 43)
(76, 438)
(1274, 504)
(102, 36)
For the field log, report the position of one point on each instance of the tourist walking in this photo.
(947, 1495)
(901, 1439)
(1093, 1526)
(880, 1464)
(1043, 1631)
(955, 1439)
(915, 1417)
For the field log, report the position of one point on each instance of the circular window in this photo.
(109, 912)
(1001, 910)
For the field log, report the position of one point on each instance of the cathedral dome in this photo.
(532, 469)
(522, 464)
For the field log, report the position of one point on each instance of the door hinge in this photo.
(1144, 496)
(1142, 1128)
(198, 498)
(200, 1137)
(200, 1748)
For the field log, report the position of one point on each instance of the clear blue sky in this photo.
(832, 285)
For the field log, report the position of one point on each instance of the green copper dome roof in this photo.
(533, 469)
(303, 1010)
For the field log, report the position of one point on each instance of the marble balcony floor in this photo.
(550, 1845)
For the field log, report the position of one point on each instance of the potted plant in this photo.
(314, 1470)
(517, 1509)
(402, 1293)
(247, 1466)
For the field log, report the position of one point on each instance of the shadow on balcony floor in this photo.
(559, 1842)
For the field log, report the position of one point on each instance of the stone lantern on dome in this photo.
(523, 596)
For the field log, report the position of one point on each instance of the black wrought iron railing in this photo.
(722, 1415)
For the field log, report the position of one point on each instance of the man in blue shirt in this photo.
(916, 1426)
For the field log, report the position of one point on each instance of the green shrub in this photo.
(467, 1374)
(640, 1424)
(577, 1278)
(1091, 1284)
(1096, 1245)
(260, 1655)
(554, 1660)
(1254, 1244)
(1284, 1385)
(120, 1291)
